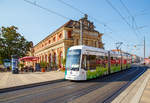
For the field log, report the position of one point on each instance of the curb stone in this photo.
(30, 85)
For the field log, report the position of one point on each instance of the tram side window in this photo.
(88, 62)
(83, 65)
(101, 61)
(91, 62)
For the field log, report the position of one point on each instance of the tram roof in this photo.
(87, 48)
(84, 47)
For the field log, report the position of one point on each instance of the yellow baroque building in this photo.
(54, 47)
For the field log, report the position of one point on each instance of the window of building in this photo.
(45, 58)
(54, 58)
(49, 41)
(49, 58)
(77, 42)
(54, 39)
(60, 35)
(91, 43)
(42, 57)
(95, 44)
(86, 42)
(69, 34)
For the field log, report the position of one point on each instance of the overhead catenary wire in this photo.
(102, 23)
(133, 18)
(99, 22)
(48, 10)
(69, 5)
(122, 17)
(60, 15)
(53, 12)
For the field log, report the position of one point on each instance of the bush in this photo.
(43, 64)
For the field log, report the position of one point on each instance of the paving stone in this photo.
(8, 79)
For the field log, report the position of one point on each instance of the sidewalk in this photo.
(8, 79)
(137, 92)
(145, 98)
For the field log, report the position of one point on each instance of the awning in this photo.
(29, 58)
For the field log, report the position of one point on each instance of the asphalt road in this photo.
(103, 89)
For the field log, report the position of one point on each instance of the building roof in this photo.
(65, 25)
(118, 50)
(87, 25)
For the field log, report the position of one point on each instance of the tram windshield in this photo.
(73, 60)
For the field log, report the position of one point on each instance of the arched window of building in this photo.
(54, 39)
(39, 60)
(42, 57)
(60, 35)
(54, 58)
(50, 58)
(49, 41)
(60, 59)
(45, 58)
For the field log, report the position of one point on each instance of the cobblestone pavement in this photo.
(7, 79)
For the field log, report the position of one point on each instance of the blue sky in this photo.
(35, 23)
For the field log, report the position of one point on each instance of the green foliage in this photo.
(64, 62)
(43, 64)
(1, 61)
(21, 65)
(13, 43)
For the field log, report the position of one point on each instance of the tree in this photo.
(13, 43)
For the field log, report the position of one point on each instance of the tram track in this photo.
(82, 92)
(67, 91)
(107, 100)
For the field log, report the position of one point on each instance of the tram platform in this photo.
(9, 80)
(137, 92)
